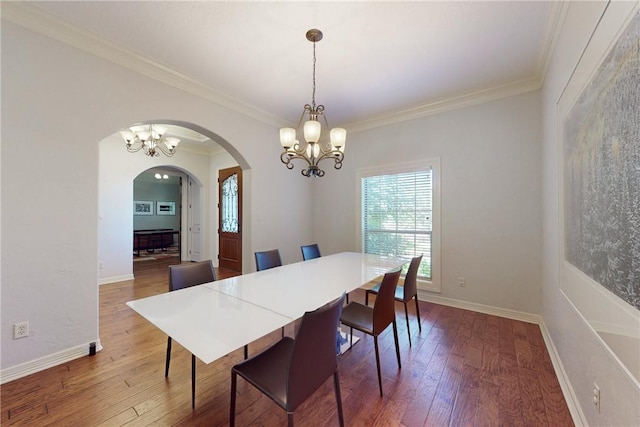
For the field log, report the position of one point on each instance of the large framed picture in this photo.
(142, 208)
(166, 208)
(599, 183)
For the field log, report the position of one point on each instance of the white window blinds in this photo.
(397, 216)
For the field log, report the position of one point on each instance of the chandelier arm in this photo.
(324, 116)
(286, 156)
(304, 110)
(314, 171)
(327, 149)
(134, 150)
(286, 159)
(338, 156)
(167, 152)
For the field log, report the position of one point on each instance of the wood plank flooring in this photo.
(464, 369)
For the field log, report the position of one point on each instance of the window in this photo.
(399, 215)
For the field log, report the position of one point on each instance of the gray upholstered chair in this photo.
(183, 276)
(310, 251)
(268, 259)
(373, 321)
(405, 293)
(264, 261)
(290, 371)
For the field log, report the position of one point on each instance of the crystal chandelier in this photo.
(314, 151)
(151, 139)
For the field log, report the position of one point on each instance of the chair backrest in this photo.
(411, 278)
(384, 311)
(314, 356)
(192, 274)
(268, 259)
(310, 251)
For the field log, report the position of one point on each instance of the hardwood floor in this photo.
(464, 368)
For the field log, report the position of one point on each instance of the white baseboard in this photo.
(114, 279)
(565, 385)
(567, 390)
(46, 362)
(481, 308)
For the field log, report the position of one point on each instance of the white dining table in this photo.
(213, 319)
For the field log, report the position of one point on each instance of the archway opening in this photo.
(196, 162)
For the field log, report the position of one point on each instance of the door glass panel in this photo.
(229, 204)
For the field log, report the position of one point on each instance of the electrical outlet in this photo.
(20, 330)
(596, 397)
(461, 282)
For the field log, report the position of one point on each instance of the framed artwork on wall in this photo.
(165, 208)
(599, 183)
(142, 208)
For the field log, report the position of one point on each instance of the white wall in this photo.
(491, 196)
(118, 168)
(584, 356)
(58, 103)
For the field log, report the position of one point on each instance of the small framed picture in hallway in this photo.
(166, 208)
(142, 208)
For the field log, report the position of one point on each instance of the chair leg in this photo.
(232, 404)
(282, 331)
(289, 419)
(246, 352)
(406, 315)
(351, 338)
(418, 313)
(375, 343)
(193, 381)
(166, 365)
(336, 384)
(366, 297)
(395, 337)
(347, 298)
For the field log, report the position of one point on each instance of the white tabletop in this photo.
(214, 319)
(208, 323)
(304, 286)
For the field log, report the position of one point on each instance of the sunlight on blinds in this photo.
(397, 216)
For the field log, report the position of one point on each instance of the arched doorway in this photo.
(118, 168)
(158, 210)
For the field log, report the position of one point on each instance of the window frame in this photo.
(433, 285)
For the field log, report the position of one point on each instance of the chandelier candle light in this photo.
(314, 151)
(151, 139)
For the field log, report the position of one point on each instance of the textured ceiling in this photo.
(377, 59)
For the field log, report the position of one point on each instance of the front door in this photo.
(230, 219)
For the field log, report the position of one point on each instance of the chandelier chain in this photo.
(313, 94)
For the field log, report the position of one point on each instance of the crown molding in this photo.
(557, 15)
(447, 104)
(42, 22)
(556, 19)
(39, 21)
(202, 150)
